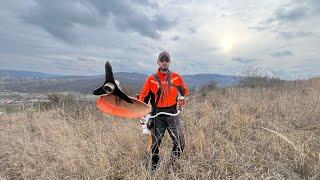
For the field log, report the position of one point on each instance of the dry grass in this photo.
(236, 133)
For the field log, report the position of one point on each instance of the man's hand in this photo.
(181, 100)
(142, 120)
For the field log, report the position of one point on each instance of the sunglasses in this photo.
(164, 59)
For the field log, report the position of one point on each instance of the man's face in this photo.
(164, 63)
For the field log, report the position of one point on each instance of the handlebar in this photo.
(165, 113)
(145, 120)
(148, 116)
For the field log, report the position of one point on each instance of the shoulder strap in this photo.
(160, 85)
(160, 88)
(169, 78)
(179, 87)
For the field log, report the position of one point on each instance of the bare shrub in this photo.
(70, 103)
(212, 85)
(254, 77)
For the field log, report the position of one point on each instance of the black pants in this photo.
(160, 125)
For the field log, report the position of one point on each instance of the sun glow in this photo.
(227, 43)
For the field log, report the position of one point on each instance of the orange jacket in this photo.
(168, 96)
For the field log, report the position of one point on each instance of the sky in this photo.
(202, 36)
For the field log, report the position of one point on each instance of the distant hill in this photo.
(34, 82)
(24, 74)
(199, 80)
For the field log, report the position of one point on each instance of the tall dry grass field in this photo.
(235, 133)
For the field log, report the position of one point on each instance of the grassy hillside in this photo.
(238, 133)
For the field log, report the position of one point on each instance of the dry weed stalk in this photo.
(284, 138)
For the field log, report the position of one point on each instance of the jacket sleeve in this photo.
(183, 87)
(144, 94)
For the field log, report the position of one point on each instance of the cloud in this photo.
(258, 28)
(282, 53)
(87, 60)
(290, 16)
(175, 38)
(60, 18)
(291, 13)
(285, 34)
(244, 60)
(315, 4)
(144, 25)
(294, 34)
(193, 30)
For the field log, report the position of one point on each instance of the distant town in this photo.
(10, 102)
(22, 101)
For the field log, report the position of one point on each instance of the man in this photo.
(163, 89)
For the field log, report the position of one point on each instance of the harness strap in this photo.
(160, 90)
